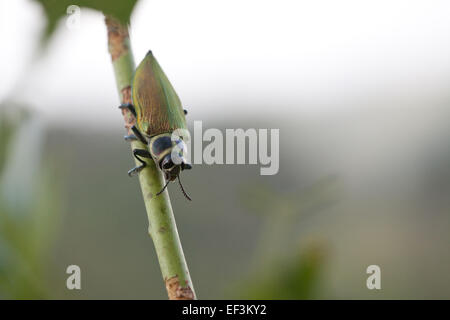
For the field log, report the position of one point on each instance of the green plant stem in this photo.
(162, 227)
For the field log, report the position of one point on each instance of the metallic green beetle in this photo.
(158, 113)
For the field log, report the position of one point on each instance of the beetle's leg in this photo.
(128, 106)
(138, 134)
(137, 154)
(186, 166)
(130, 137)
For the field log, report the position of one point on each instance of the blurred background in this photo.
(360, 91)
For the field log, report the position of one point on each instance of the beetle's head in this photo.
(170, 156)
(172, 170)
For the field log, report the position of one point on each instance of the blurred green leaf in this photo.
(56, 9)
(6, 131)
(295, 277)
(29, 209)
(9, 122)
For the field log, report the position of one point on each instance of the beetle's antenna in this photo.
(182, 189)
(164, 188)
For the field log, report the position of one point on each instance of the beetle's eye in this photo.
(168, 164)
(161, 144)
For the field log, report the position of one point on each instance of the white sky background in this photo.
(231, 57)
